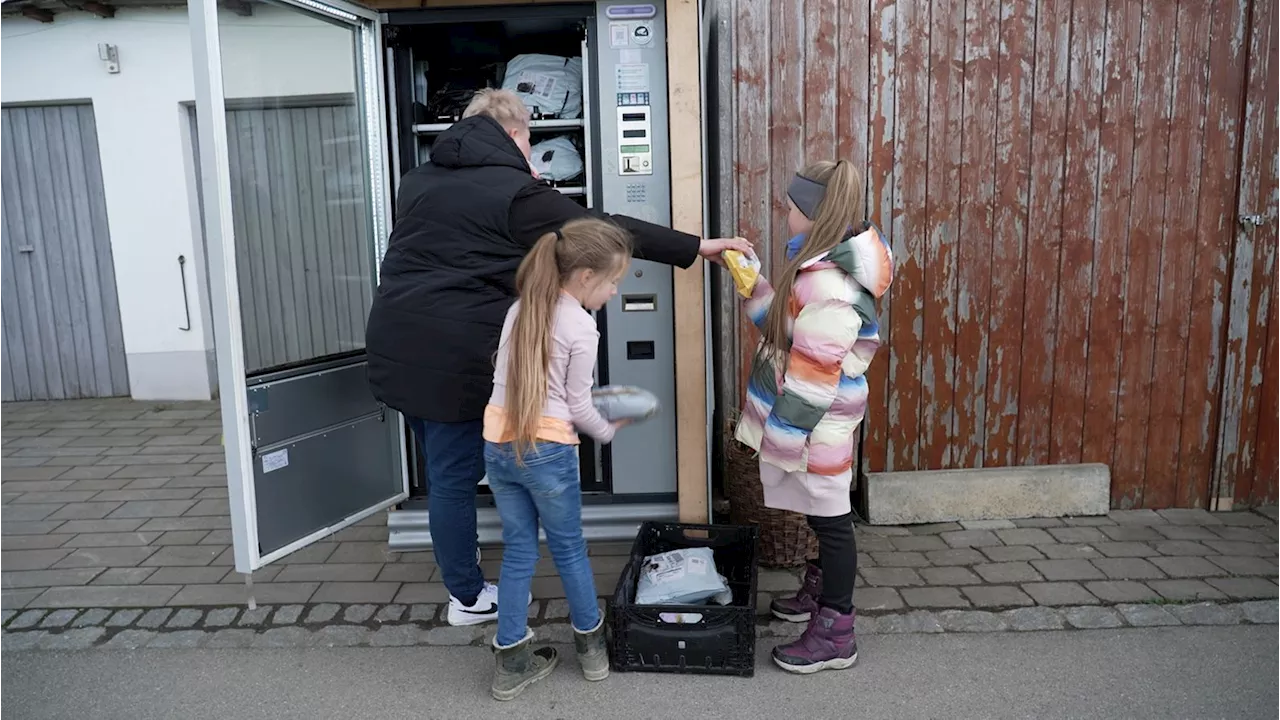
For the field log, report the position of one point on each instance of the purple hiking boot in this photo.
(805, 603)
(827, 644)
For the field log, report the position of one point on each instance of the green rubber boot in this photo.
(518, 666)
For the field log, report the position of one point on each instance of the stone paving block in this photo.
(231, 638)
(1009, 572)
(6, 614)
(152, 508)
(76, 639)
(1146, 615)
(933, 528)
(124, 576)
(1188, 516)
(154, 618)
(958, 556)
(871, 599)
(340, 636)
(1260, 612)
(894, 577)
(255, 617)
(1186, 567)
(970, 538)
(26, 620)
(1181, 547)
(1038, 522)
(1132, 533)
(183, 556)
(1245, 565)
(1032, 618)
(771, 580)
(85, 510)
(1069, 551)
(107, 596)
(1024, 536)
(37, 542)
(187, 575)
(31, 559)
(287, 615)
(997, 596)
(1182, 590)
(185, 618)
(59, 618)
(361, 552)
(1207, 614)
(1121, 591)
(101, 526)
(369, 592)
(916, 621)
(1128, 569)
(1056, 570)
(91, 618)
(934, 597)
(124, 618)
(1059, 594)
(221, 617)
(1000, 524)
(447, 635)
(1011, 553)
(918, 543)
(396, 636)
(107, 557)
(895, 559)
(282, 637)
(1228, 532)
(331, 572)
(885, 530)
(558, 609)
(1091, 521)
(949, 576)
(1228, 547)
(182, 639)
(111, 540)
(1077, 535)
(1136, 517)
(1242, 518)
(13, 599)
(971, 621)
(874, 543)
(1185, 532)
(322, 613)
(1244, 588)
(129, 640)
(1125, 549)
(1092, 618)
(359, 613)
(422, 613)
(17, 642)
(389, 614)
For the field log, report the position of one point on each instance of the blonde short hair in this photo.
(502, 105)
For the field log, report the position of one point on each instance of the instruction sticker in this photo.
(276, 460)
(633, 78)
(619, 35)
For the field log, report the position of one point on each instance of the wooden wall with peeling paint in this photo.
(1063, 183)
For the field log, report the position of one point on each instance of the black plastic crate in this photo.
(723, 641)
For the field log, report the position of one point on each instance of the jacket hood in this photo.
(864, 255)
(477, 141)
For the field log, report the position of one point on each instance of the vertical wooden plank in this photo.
(787, 107)
(1174, 311)
(910, 233)
(103, 259)
(248, 238)
(1008, 242)
(755, 135)
(685, 97)
(1253, 275)
(1045, 227)
(1215, 233)
(976, 214)
(1079, 230)
(820, 80)
(329, 129)
(1266, 479)
(324, 229)
(284, 317)
(1115, 190)
(85, 259)
(882, 33)
(307, 230)
(852, 73)
(1150, 166)
(63, 201)
(942, 186)
(285, 202)
(20, 335)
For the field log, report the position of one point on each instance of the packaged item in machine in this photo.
(549, 85)
(556, 159)
(623, 402)
(744, 269)
(680, 577)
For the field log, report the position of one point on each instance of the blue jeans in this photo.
(547, 489)
(454, 454)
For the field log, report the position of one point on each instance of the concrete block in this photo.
(933, 496)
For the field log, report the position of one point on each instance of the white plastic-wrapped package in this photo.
(556, 159)
(680, 577)
(624, 402)
(548, 84)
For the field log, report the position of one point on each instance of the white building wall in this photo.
(146, 154)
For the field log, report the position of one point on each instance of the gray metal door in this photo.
(61, 317)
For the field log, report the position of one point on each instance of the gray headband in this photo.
(806, 194)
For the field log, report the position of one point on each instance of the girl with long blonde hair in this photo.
(807, 394)
(541, 399)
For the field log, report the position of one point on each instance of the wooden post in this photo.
(685, 102)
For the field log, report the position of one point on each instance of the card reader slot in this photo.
(639, 303)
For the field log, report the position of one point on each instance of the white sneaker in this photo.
(485, 608)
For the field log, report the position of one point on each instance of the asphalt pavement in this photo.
(1165, 673)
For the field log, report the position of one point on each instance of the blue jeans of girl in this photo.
(545, 490)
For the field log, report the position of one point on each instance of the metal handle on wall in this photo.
(186, 302)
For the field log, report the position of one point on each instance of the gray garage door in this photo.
(61, 316)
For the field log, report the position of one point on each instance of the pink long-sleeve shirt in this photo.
(570, 374)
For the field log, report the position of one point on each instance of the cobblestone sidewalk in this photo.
(115, 512)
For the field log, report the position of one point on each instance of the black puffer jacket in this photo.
(464, 221)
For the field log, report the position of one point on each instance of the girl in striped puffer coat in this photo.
(807, 395)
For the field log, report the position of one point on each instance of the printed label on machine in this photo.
(275, 461)
(619, 35)
(633, 78)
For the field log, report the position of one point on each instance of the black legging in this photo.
(838, 558)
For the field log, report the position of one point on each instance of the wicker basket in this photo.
(786, 540)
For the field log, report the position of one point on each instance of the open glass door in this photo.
(291, 129)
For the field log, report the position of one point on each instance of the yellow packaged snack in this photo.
(744, 269)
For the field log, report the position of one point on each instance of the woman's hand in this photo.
(711, 249)
(619, 424)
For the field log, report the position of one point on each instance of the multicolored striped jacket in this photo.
(805, 419)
